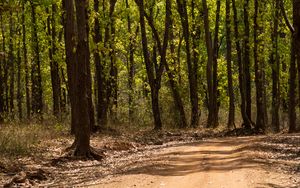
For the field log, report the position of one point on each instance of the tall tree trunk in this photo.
(242, 84)
(2, 62)
(153, 82)
(55, 79)
(101, 99)
(274, 61)
(37, 92)
(171, 74)
(71, 57)
(11, 62)
(19, 86)
(216, 102)
(231, 115)
(82, 131)
(113, 65)
(130, 66)
(5, 71)
(247, 59)
(295, 56)
(259, 66)
(211, 68)
(182, 9)
(27, 88)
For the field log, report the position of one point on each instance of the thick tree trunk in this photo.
(295, 57)
(231, 115)
(82, 131)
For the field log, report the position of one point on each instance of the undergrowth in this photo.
(16, 139)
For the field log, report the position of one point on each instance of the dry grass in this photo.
(20, 139)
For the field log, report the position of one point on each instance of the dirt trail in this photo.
(215, 163)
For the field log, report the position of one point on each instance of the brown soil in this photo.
(257, 161)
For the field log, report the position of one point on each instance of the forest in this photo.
(97, 80)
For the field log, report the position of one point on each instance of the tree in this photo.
(295, 56)
(36, 78)
(192, 66)
(231, 115)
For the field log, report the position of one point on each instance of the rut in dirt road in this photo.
(213, 163)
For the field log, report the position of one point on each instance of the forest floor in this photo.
(163, 159)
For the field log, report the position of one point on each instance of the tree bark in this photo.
(247, 59)
(82, 131)
(55, 79)
(259, 66)
(182, 9)
(242, 84)
(36, 79)
(295, 57)
(71, 56)
(153, 82)
(274, 61)
(231, 115)
(27, 88)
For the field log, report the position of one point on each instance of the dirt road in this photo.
(215, 163)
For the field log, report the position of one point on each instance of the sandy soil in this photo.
(213, 163)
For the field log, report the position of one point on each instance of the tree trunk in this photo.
(259, 66)
(130, 67)
(82, 131)
(274, 62)
(295, 56)
(231, 115)
(182, 9)
(113, 65)
(2, 62)
(19, 86)
(71, 57)
(247, 59)
(11, 62)
(36, 79)
(55, 79)
(27, 88)
(153, 82)
(242, 85)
